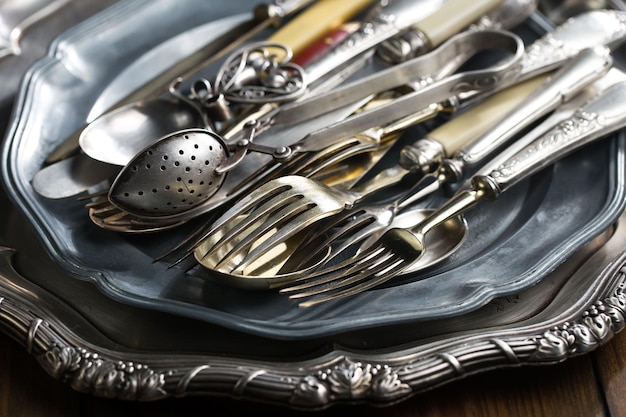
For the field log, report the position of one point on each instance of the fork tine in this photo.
(393, 252)
(290, 212)
(370, 279)
(336, 228)
(291, 223)
(323, 160)
(329, 273)
(238, 226)
(248, 202)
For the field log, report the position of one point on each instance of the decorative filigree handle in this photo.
(586, 67)
(256, 74)
(260, 73)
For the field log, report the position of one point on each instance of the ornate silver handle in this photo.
(601, 27)
(600, 116)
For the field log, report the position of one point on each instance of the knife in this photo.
(152, 73)
(585, 68)
(546, 54)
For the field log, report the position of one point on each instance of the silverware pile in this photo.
(279, 155)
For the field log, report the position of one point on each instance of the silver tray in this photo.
(114, 350)
(514, 242)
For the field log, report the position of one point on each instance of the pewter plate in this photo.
(514, 242)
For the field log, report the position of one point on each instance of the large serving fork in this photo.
(397, 248)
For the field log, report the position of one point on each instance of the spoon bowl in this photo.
(114, 137)
(179, 171)
(442, 241)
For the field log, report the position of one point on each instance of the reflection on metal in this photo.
(558, 332)
(28, 14)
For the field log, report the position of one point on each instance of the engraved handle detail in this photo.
(602, 27)
(601, 116)
(583, 69)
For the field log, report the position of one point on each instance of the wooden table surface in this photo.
(586, 386)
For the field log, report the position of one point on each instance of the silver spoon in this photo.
(149, 119)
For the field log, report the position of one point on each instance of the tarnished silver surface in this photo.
(77, 245)
(573, 311)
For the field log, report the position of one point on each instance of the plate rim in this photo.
(37, 72)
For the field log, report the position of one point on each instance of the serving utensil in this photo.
(397, 248)
(113, 137)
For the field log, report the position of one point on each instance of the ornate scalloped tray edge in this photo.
(560, 330)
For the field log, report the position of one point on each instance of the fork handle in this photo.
(586, 67)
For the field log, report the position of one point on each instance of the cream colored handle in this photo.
(315, 21)
(474, 122)
(453, 17)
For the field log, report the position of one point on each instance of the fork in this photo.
(397, 248)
